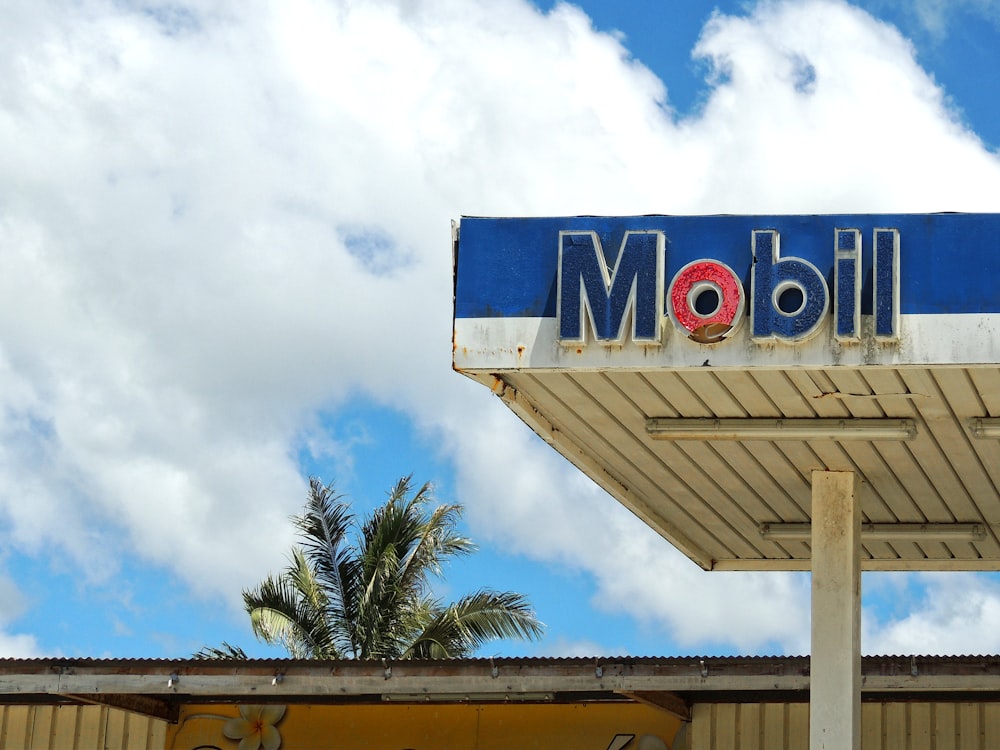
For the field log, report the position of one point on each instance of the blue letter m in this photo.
(587, 290)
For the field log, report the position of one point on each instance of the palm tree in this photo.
(372, 598)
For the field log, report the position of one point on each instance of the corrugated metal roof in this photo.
(185, 679)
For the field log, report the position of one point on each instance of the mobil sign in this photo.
(728, 290)
(789, 295)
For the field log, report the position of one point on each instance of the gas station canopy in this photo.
(701, 368)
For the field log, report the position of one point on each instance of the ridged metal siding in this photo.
(884, 726)
(78, 728)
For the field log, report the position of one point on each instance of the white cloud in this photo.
(220, 219)
(820, 108)
(12, 605)
(950, 617)
(18, 646)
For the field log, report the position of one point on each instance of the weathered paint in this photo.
(580, 726)
(835, 694)
(903, 289)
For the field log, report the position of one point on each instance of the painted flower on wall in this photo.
(254, 727)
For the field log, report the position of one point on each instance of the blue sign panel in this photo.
(624, 280)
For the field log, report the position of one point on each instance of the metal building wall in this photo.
(78, 728)
(884, 726)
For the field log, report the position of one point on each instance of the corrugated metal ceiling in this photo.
(717, 499)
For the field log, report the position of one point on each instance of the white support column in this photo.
(835, 664)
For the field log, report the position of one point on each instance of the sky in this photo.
(225, 266)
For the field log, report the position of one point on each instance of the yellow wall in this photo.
(439, 727)
(884, 726)
(77, 728)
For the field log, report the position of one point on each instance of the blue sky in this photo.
(956, 42)
(226, 239)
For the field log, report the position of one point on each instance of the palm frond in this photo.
(225, 651)
(438, 540)
(387, 537)
(281, 614)
(379, 605)
(463, 627)
(323, 527)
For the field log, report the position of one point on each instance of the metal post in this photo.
(835, 682)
